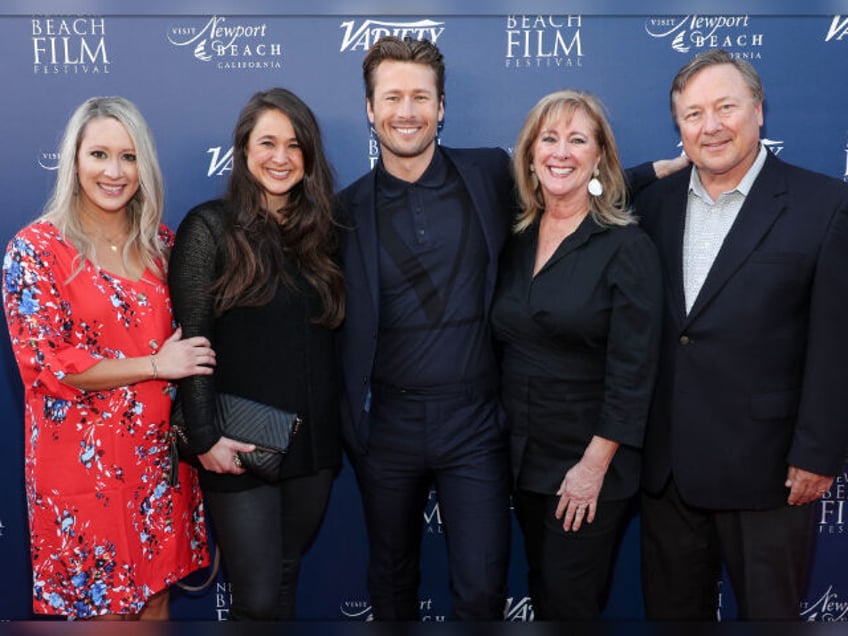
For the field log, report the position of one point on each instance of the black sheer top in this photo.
(273, 354)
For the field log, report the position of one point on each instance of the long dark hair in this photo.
(260, 249)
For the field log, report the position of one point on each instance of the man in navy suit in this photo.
(419, 407)
(750, 416)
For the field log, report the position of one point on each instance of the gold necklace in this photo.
(113, 244)
(100, 234)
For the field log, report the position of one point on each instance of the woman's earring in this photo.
(596, 188)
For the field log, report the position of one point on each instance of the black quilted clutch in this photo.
(266, 427)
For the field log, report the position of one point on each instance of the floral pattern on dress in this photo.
(107, 530)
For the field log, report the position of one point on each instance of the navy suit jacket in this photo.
(486, 175)
(753, 379)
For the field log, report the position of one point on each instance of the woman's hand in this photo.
(222, 458)
(176, 359)
(179, 358)
(578, 493)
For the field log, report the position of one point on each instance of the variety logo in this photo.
(219, 163)
(774, 145)
(361, 37)
(69, 45)
(838, 29)
(694, 33)
(232, 46)
(831, 519)
(540, 41)
(827, 608)
(520, 610)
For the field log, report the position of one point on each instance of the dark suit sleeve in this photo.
(633, 341)
(191, 273)
(638, 178)
(821, 433)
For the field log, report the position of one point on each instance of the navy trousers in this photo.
(452, 439)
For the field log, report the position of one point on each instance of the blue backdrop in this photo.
(191, 69)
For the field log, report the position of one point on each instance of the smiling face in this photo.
(274, 157)
(106, 167)
(405, 111)
(564, 157)
(719, 121)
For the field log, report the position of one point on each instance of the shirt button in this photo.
(685, 340)
(365, 380)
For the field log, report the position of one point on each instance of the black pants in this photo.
(567, 572)
(766, 552)
(263, 533)
(455, 443)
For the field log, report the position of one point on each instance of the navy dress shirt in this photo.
(433, 260)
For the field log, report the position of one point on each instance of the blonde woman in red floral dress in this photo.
(90, 320)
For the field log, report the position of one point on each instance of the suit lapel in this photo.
(477, 190)
(479, 193)
(364, 213)
(670, 221)
(762, 206)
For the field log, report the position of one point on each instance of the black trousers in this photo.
(452, 441)
(567, 572)
(263, 533)
(766, 553)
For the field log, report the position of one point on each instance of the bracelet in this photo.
(153, 364)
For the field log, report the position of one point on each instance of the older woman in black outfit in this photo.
(255, 273)
(577, 316)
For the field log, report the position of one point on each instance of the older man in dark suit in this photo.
(750, 417)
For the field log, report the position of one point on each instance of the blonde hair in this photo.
(608, 209)
(144, 210)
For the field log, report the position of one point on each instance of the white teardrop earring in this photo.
(596, 188)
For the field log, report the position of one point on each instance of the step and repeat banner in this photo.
(190, 70)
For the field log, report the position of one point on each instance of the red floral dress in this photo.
(107, 530)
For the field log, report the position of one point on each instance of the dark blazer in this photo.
(753, 379)
(488, 180)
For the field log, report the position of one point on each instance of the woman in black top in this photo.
(255, 273)
(577, 317)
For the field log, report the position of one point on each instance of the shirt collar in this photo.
(744, 186)
(434, 176)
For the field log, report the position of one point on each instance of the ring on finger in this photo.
(237, 461)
